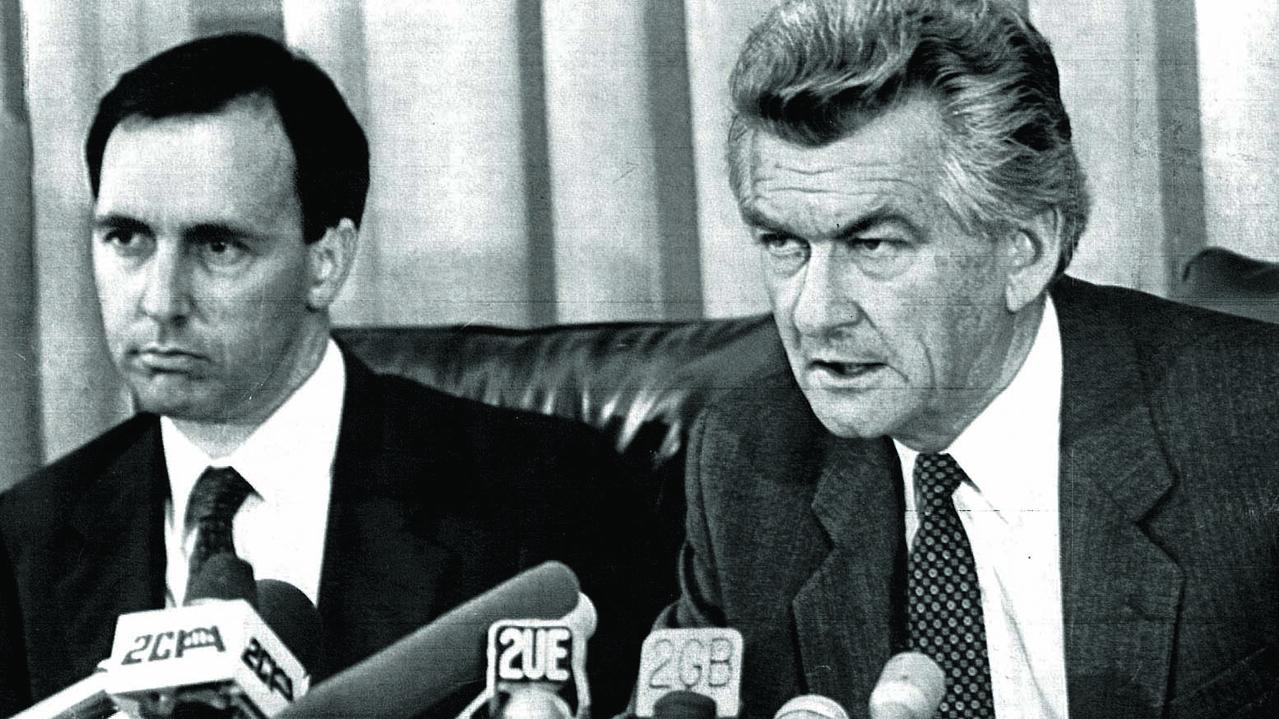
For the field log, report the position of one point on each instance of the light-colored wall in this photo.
(19, 425)
(1238, 66)
(1106, 57)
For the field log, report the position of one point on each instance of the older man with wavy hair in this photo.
(1062, 493)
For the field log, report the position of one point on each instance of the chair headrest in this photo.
(1221, 279)
(641, 382)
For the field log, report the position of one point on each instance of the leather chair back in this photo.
(1224, 280)
(640, 382)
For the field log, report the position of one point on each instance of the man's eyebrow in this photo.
(116, 221)
(215, 230)
(875, 219)
(753, 217)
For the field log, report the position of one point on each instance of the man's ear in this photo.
(1033, 251)
(330, 259)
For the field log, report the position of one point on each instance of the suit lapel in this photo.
(381, 573)
(114, 547)
(844, 614)
(1121, 592)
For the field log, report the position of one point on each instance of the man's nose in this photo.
(827, 298)
(167, 294)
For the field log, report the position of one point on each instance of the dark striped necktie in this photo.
(944, 598)
(215, 499)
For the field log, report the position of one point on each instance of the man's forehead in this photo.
(236, 161)
(907, 134)
(252, 108)
(891, 159)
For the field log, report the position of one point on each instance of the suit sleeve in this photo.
(14, 684)
(699, 601)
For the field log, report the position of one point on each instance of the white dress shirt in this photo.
(288, 460)
(1009, 509)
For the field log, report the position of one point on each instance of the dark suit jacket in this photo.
(1169, 494)
(435, 499)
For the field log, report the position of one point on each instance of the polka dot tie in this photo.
(944, 603)
(215, 499)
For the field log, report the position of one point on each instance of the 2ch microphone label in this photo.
(222, 646)
(267, 669)
(172, 644)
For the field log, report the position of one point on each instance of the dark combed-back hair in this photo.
(203, 76)
(813, 70)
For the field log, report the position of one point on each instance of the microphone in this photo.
(533, 702)
(705, 661)
(223, 577)
(294, 618)
(88, 698)
(684, 704)
(910, 687)
(811, 706)
(426, 667)
(214, 656)
(534, 663)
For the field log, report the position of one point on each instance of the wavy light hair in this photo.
(814, 70)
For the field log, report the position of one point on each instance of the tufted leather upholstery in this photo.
(640, 382)
(1224, 280)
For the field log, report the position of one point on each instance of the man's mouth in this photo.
(844, 370)
(166, 359)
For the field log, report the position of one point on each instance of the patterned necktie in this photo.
(215, 499)
(944, 598)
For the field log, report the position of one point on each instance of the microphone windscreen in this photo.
(684, 704)
(811, 706)
(431, 664)
(583, 619)
(910, 687)
(293, 618)
(534, 703)
(223, 576)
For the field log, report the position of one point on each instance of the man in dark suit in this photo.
(1063, 494)
(229, 178)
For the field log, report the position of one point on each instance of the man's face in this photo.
(894, 320)
(200, 263)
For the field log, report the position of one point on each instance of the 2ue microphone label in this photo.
(707, 661)
(537, 655)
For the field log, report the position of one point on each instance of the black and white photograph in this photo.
(639, 359)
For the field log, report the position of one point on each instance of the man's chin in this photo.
(178, 405)
(867, 417)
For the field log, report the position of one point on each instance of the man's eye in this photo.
(222, 252)
(874, 246)
(782, 245)
(871, 244)
(126, 242)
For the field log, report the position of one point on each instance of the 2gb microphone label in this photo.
(706, 660)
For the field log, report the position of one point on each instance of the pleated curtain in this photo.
(538, 162)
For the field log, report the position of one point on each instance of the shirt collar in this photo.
(298, 439)
(1016, 436)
